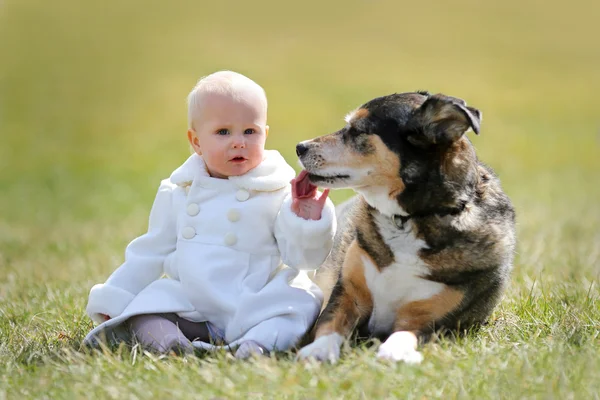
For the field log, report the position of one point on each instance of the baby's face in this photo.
(230, 133)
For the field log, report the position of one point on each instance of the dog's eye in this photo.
(353, 132)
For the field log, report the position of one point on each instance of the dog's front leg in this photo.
(350, 304)
(402, 344)
(414, 318)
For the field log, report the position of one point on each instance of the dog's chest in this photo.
(399, 283)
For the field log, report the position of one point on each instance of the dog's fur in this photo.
(427, 244)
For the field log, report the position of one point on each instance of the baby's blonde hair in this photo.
(221, 82)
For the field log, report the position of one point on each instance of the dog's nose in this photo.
(301, 149)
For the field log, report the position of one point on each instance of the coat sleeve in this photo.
(144, 259)
(304, 244)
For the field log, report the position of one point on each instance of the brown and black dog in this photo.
(427, 244)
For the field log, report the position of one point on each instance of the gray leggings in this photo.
(166, 332)
(191, 330)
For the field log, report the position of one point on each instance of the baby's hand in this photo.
(305, 200)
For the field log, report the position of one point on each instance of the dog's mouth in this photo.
(318, 179)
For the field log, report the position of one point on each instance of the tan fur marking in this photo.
(419, 315)
(353, 273)
(360, 113)
(386, 169)
(355, 301)
(356, 115)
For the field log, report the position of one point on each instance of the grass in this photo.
(92, 116)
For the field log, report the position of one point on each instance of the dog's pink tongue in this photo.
(304, 189)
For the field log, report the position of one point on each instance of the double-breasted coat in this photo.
(227, 251)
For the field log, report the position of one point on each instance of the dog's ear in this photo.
(441, 120)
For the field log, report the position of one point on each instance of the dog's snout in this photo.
(301, 149)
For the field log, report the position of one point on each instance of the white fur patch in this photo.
(400, 346)
(325, 348)
(399, 283)
(379, 198)
(350, 116)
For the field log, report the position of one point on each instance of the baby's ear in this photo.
(266, 130)
(194, 142)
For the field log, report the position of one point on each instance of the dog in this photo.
(427, 245)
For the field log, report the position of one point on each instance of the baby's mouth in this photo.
(238, 159)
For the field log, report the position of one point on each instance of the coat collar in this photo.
(272, 174)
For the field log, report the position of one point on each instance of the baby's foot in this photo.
(250, 348)
(324, 348)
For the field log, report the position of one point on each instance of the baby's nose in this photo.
(239, 142)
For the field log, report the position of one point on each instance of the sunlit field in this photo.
(93, 116)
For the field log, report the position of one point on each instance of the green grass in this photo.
(92, 116)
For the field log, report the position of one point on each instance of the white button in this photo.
(242, 195)
(187, 189)
(230, 239)
(193, 209)
(233, 215)
(188, 232)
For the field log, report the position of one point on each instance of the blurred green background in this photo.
(93, 115)
(92, 94)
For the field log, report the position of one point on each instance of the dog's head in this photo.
(408, 147)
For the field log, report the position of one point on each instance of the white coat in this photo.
(220, 246)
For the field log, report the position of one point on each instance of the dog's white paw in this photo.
(409, 356)
(400, 346)
(325, 348)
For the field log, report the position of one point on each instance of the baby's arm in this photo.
(144, 258)
(305, 226)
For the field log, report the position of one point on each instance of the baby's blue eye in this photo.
(249, 131)
(223, 132)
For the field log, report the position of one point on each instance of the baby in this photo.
(210, 270)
